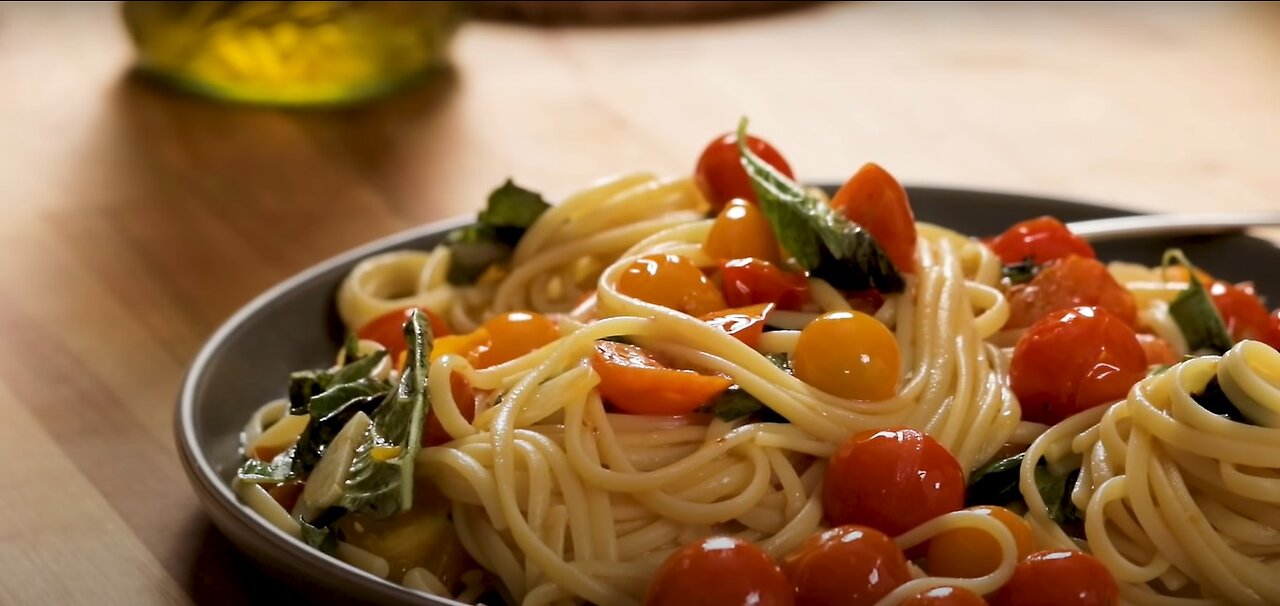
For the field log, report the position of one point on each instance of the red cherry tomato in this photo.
(891, 480)
(719, 571)
(1058, 578)
(1072, 360)
(845, 566)
(873, 199)
(720, 175)
(1042, 239)
(1271, 332)
(433, 433)
(750, 281)
(945, 596)
(1070, 282)
(745, 324)
(1241, 309)
(388, 329)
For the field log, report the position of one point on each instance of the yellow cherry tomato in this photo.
(671, 281)
(970, 552)
(501, 339)
(849, 354)
(740, 231)
(515, 334)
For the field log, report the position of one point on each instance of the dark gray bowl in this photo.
(294, 325)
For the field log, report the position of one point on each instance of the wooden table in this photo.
(136, 220)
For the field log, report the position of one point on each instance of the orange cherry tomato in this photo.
(849, 354)
(741, 230)
(719, 571)
(1157, 350)
(1042, 239)
(1072, 360)
(892, 480)
(945, 596)
(970, 552)
(845, 566)
(433, 433)
(514, 334)
(720, 175)
(637, 383)
(1241, 309)
(873, 199)
(1070, 282)
(1057, 578)
(388, 329)
(749, 281)
(746, 324)
(671, 281)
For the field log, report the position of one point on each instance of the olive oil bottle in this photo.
(291, 53)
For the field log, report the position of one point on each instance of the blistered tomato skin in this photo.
(1072, 360)
(1042, 240)
(719, 571)
(1059, 578)
(875, 200)
(1070, 282)
(719, 173)
(892, 480)
(845, 566)
(671, 281)
(849, 354)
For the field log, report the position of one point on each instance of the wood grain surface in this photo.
(135, 220)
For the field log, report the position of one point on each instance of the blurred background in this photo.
(160, 164)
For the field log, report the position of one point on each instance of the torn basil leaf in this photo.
(1194, 313)
(822, 241)
(275, 471)
(305, 385)
(380, 481)
(318, 537)
(998, 484)
(510, 211)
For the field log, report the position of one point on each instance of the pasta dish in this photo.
(733, 389)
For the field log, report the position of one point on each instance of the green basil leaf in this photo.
(351, 348)
(822, 241)
(379, 488)
(305, 384)
(735, 402)
(358, 369)
(1056, 492)
(995, 483)
(334, 400)
(512, 206)
(319, 538)
(275, 471)
(1194, 312)
(509, 212)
